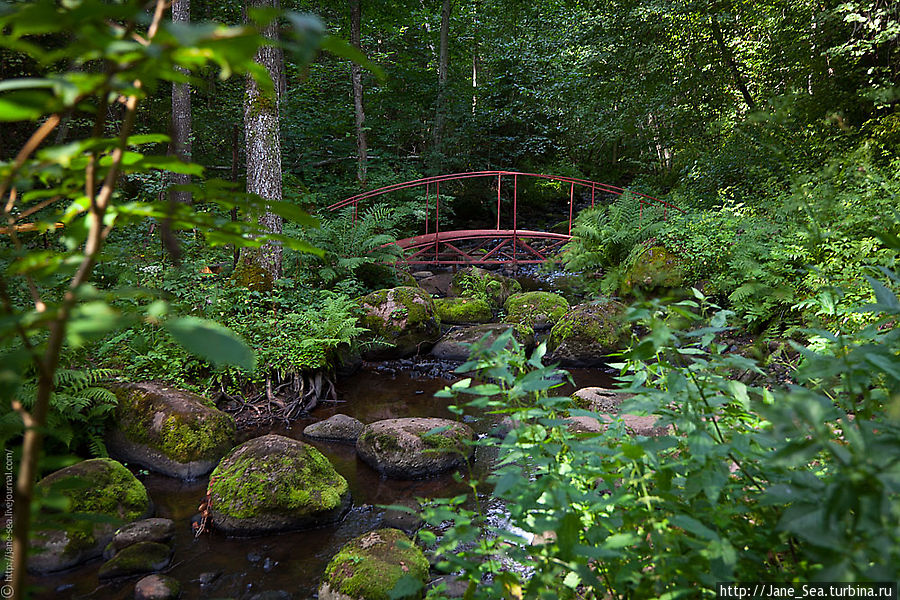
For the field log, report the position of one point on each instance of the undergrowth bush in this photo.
(795, 484)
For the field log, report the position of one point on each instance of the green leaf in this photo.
(406, 587)
(211, 341)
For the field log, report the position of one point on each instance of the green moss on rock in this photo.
(368, 567)
(101, 494)
(656, 268)
(535, 309)
(588, 332)
(274, 482)
(403, 317)
(463, 310)
(143, 557)
(169, 430)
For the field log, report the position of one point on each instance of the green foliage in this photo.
(605, 236)
(801, 481)
(357, 250)
(79, 411)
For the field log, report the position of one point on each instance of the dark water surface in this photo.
(292, 561)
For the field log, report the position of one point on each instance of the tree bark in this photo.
(263, 139)
(356, 79)
(732, 66)
(443, 65)
(181, 113)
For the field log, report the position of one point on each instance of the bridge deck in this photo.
(492, 246)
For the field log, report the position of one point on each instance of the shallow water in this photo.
(292, 561)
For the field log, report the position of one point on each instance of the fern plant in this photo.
(79, 410)
(351, 248)
(604, 236)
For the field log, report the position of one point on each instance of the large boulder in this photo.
(587, 333)
(405, 448)
(101, 489)
(274, 483)
(168, 430)
(336, 428)
(456, 344)
(655, 269)
(599, 399)
(369, 566)
(540, 310)
(476, 282)
(462, 311)
(401, 320)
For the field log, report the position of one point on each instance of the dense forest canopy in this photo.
(164, 173)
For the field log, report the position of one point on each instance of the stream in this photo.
(216, 566)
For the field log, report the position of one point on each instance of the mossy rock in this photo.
(157, 587)
(462, 311)
(401, 321)
(168, 430)
(587, 333)
(457, 344)
(336, 428)
(137, 559)
(369, 566)
(491, 287)
(100, 488)
(540, 310)
(274, 483)
(145, 530)
(404, 448)
(655, 269)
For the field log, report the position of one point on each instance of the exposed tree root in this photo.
(285, 397)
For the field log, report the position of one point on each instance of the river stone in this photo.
(369, 566)
(145, 530)
(401, 321)
(540, 310)
(476, 282)
(274, 483)
(584, 424)
(456, 344)
(656, 268)
(101, 488)
(137, 559)
(462, 311)
(168, 430)
(157, 587)
(337, 428)
(403, 449)
(587, 333)
(638, 425)
(599, 399)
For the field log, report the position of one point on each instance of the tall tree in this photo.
(260, 267)
(443, 65)
(181, 113)
(356, 78)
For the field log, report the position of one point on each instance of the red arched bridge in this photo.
(489, 246)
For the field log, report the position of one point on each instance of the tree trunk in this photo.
(732, 66)
(443, 65)
(260, 267)
(181, 113)
(356, 79)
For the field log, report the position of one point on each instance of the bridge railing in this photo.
(436, 181)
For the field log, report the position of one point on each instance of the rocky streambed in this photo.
(281, 509)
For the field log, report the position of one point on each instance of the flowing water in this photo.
(215, 566)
